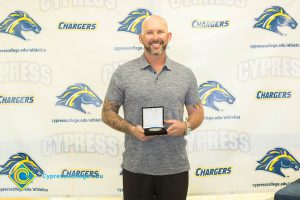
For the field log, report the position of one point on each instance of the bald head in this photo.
(154, 21)
(155, 36)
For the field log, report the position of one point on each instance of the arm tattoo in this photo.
(197, 106)
(111, 106)
(111, 118)
(195, 115)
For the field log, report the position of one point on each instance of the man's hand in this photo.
(176, 127)
(138, 132)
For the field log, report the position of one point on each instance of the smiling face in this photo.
(155, 36)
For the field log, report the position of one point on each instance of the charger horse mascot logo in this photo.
(78, 94)
(276, 159)
(133, 22)
(274, 17)
(211, 92)
(17, 22)
(21, 169)
(16, 160)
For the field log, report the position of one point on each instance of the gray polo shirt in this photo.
(135, 85)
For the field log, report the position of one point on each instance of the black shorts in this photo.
(148, 187)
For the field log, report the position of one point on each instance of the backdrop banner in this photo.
(56, 61)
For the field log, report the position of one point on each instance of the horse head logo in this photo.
(17, 22)
(78, 94)
(276, 159)
(274, 17)
(18, 159)
(211, 92)
(133, 22)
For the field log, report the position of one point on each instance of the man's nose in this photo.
(155, 36)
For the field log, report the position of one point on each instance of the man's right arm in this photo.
(111, 117)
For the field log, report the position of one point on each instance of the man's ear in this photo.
(140, 39)
(169, 36)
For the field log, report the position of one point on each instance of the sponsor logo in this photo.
(49, 5)
(25, 72)
(16, 99)
(77, 26)
(210, 24)
(276, 159)
(21, 170)
(76, 95)
(206, 172)
(133, 22)
(212, 92)
(270, 184)
(273, 94)
(107, 71)
(274, 17)
(268, 67)
(80, 143)
(189, 3)
(86, 173)
(17, 22)
(218, 140)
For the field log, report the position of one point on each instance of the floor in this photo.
(256, 196)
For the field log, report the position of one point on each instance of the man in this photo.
(154, 167)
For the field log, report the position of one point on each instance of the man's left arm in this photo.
(195, 115)
(195, 118)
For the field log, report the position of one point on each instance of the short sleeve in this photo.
(115, 91)
(192, 97)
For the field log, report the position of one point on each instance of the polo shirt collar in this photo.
(144, 64)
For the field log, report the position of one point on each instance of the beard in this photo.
(155, 52)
